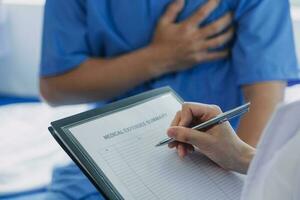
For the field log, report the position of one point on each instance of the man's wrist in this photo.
(161, 60)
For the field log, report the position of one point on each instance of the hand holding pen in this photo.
(219, 119)
(219, 142)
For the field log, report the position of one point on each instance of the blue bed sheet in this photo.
(5, 100)
(295, 82)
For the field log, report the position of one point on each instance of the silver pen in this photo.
(214, 121)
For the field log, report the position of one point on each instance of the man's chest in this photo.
(120, 26)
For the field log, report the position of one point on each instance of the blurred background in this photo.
(19, 61)
(20, 46)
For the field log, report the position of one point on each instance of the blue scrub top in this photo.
(263, 50)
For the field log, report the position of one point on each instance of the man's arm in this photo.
(264, 98)
(97, 79)
(175, 47)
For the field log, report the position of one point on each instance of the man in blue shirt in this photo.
(100, 51)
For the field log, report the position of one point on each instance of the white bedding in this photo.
(292, 94)
(28, 152)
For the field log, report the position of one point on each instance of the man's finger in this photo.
(172, 11)
(218, 41)
(211, 56)
(216, 27)
(203, 12)
(189, 136)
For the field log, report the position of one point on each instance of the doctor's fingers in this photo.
(189, 147)
(185, 116)
(189, 136)
(172, 12)
(177, 118)
(182, 148)
(194, 113)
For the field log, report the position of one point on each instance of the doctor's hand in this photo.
(219, 143)
(181, 45)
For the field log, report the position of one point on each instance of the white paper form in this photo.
(123, 146)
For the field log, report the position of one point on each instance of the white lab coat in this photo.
(275, 171)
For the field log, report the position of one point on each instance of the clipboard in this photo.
(115, 148)
(61, 133)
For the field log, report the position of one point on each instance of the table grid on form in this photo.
(157, 173)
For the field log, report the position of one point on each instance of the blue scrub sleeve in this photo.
(65, 44)
(264, 48)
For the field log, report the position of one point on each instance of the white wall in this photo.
(19, 70)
